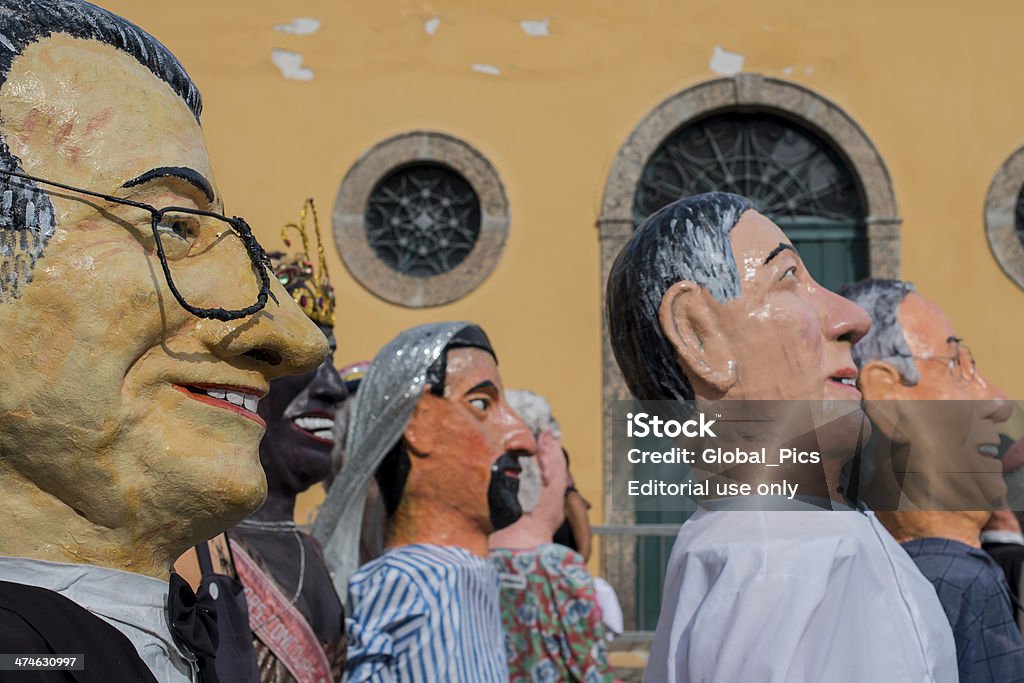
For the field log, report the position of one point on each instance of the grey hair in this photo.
(529, 484)
(686, 240)
(536, 413)
(885, 341)
(27, 219)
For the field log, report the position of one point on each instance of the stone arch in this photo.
(744, 92)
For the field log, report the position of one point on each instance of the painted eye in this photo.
(178, 225)
(481, 404)
(790, 273)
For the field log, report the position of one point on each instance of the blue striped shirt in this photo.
(426, 613)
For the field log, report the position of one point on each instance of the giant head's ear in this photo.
(689, 321)
(880, 385)
(879, 381)
(423, 428)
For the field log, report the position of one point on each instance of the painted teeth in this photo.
(315, 424)
(324, 434)
(990, 450)
(247, 401)
(848, 381)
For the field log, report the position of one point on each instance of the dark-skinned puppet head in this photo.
(300, 411)
(113, 449)
(432, 426)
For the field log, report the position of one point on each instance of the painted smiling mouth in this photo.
(318, 427)
(241, 400)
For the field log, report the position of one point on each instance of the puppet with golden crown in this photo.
(294, 612)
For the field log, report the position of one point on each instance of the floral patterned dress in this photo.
(553, 628)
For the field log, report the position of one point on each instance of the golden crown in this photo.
(312, 291)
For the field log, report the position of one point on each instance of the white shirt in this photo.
(794, 596)
(1002, 536)
(132, 603)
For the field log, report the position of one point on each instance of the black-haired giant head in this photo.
(709, 299)
(132, 419)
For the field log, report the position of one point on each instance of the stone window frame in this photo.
(349, 218)
(1000, 217)
(748, 92)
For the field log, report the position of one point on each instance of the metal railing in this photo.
(635, 559)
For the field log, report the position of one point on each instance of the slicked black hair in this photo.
(686, 240)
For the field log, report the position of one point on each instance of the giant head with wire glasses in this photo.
(936, 417)
(139, 324)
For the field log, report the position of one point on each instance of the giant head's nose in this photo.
(843, 320)
(517, 437)
(278, 340)
(327, 386)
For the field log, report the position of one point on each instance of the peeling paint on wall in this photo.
(536, 29)
(430, 25)
(302, 26)
(488, 69)
(725, 62)
(290, 64)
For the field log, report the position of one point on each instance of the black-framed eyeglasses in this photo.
(962, 359)
(182, 236)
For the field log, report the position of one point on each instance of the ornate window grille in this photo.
(1018, 216)
(423, 219)
(790, 174)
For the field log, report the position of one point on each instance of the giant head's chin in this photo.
(503, 492)
(212, 490)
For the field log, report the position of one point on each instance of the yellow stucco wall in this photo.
(932, 82)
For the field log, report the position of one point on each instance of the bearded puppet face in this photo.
(115, 402)
(465, 446)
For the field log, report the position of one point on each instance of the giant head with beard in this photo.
(452, 477)
(432, 426)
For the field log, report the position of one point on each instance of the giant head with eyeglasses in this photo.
(934, 458)
(139, 324)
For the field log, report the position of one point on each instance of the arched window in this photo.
(808, 166)
(791, 174)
